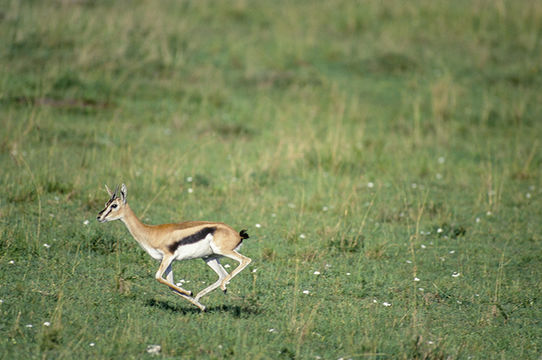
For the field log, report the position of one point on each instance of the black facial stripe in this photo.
(191, 239)
(107, 213)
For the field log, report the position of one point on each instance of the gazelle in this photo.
(187, 240)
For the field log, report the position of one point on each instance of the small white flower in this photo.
(189, 179)
(1, 301)
(29, 325)
(459, 302)
(374, 301)
(370, 184)
(47, 323)
(414, 185)
(423, 246)
(455, 274)
(409, 262)
(272, 330)
(528, 195)
(273, 215)
(430, 342)
(489, 213)
(421, 289)
(254, 270)
(306, 292)
(154, 349)
(441, 160)
(86, 222)
(325, 208)
(439, 230)
(258, 225)
(12, 262)
(190, 190)
(328, 266)
(291, 205)
(452, 251)
(441, 258)
(227, 266)
(386, 304)
(47, 246)
(52, 215)
(316, 273)
(348, 274)
(477, 220)
(438, 176)
(416, 279)
(302, 236)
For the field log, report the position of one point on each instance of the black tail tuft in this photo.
(243, 234)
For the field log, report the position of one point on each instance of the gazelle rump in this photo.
(187, 240)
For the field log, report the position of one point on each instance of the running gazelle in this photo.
(187, 240)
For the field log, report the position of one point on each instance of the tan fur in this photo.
(158, 240)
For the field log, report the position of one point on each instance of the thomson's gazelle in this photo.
(187, 240)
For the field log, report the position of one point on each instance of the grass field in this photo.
(384, 156)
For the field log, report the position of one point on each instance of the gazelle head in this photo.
(114, 208)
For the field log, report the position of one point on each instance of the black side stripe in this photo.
(191, 239)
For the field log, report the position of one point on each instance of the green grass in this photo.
(351, 131)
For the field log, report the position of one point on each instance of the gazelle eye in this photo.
(114, 206)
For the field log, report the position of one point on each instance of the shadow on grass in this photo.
(238, 311)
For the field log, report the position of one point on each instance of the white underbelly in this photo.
(199, 249)
(154, 253)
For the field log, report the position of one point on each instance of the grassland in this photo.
(385, 157)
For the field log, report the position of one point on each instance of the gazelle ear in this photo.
(109, 191)
(123, 193)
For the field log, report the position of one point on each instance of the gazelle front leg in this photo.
(164, 266)
(169, 276)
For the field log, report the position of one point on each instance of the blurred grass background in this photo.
(374, 143)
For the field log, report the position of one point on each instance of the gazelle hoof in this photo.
(225, 291)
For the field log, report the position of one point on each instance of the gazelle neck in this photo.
(138, 230)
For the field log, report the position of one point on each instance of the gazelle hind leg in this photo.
(214, 264)
(243, 263)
